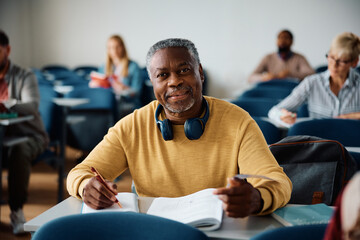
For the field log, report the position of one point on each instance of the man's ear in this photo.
(201, 72)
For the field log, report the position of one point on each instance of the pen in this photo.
(102, 181)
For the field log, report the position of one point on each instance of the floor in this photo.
(43, 193)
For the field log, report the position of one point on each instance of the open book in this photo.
(304, 214)
(202, 209)
(100, 79)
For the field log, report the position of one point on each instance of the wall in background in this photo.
(231, 35)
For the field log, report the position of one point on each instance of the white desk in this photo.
(11, 141)
(285, 126)
(353, 149)
(231, 228)
(10, 121)
(70, 102)
(63, 89)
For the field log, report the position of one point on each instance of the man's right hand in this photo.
(97, 196)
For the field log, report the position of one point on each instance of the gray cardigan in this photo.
(23, 86)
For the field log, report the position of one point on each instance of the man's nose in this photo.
(175, 80)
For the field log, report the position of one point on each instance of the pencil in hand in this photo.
(102, 181)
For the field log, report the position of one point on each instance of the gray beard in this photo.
(181, 109)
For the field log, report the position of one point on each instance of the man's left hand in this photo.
(240, 198)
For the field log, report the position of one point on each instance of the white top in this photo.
(322, 102)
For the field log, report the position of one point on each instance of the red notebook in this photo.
(101, 79)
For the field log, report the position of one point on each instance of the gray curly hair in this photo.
(172, 42)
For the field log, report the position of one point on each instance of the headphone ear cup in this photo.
(166, 129)
(193, 128)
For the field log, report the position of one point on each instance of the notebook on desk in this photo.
(304, 214)
(201, 209)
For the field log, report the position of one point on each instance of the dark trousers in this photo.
(19, 161)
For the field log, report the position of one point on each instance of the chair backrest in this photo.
(85, 70)
(271, 133)
(313, 232)
(100, 114)
(99, 98)
(321, 68)
(55, 68)
(343, 130)
(116, 225)
(282, 83)
(147, 92)
(61, 75)
(256, 107)
(42, 80)
(303, 111)
(266, 92)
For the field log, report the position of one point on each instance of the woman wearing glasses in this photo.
(334, 93)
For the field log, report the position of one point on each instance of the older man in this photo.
(184, 142)
(282, 64)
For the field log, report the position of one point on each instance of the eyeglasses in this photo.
(338, 61)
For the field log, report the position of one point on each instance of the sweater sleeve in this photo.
(256, 158)
(28, 101)
(108, 157)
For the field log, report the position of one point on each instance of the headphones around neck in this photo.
(193, 127)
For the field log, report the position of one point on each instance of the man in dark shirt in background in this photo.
(19, 93)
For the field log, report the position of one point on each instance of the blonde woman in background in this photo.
(334, 93)
(123, 73)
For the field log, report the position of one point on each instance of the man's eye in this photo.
(161, 75)
(184, 70)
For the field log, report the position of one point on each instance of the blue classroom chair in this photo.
(277, 93)
(99, 114)
(345, 131)
(84, 71)
(271, 133)
(281, 83)
(321, 68)
(313, 232)
(116, 225)
(256, 107)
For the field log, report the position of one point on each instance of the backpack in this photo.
(318, 168)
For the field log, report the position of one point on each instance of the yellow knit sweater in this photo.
(231, 143)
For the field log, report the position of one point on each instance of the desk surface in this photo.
(10, 121)
(70, 102)
(231, 228)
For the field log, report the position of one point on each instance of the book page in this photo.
(200, 209)
(128, 201)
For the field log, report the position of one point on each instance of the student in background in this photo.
(184, 142)
(19, 93)
(124, 75)
(282, 64)
(334, 93)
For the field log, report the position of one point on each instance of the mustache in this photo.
(177, 89)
